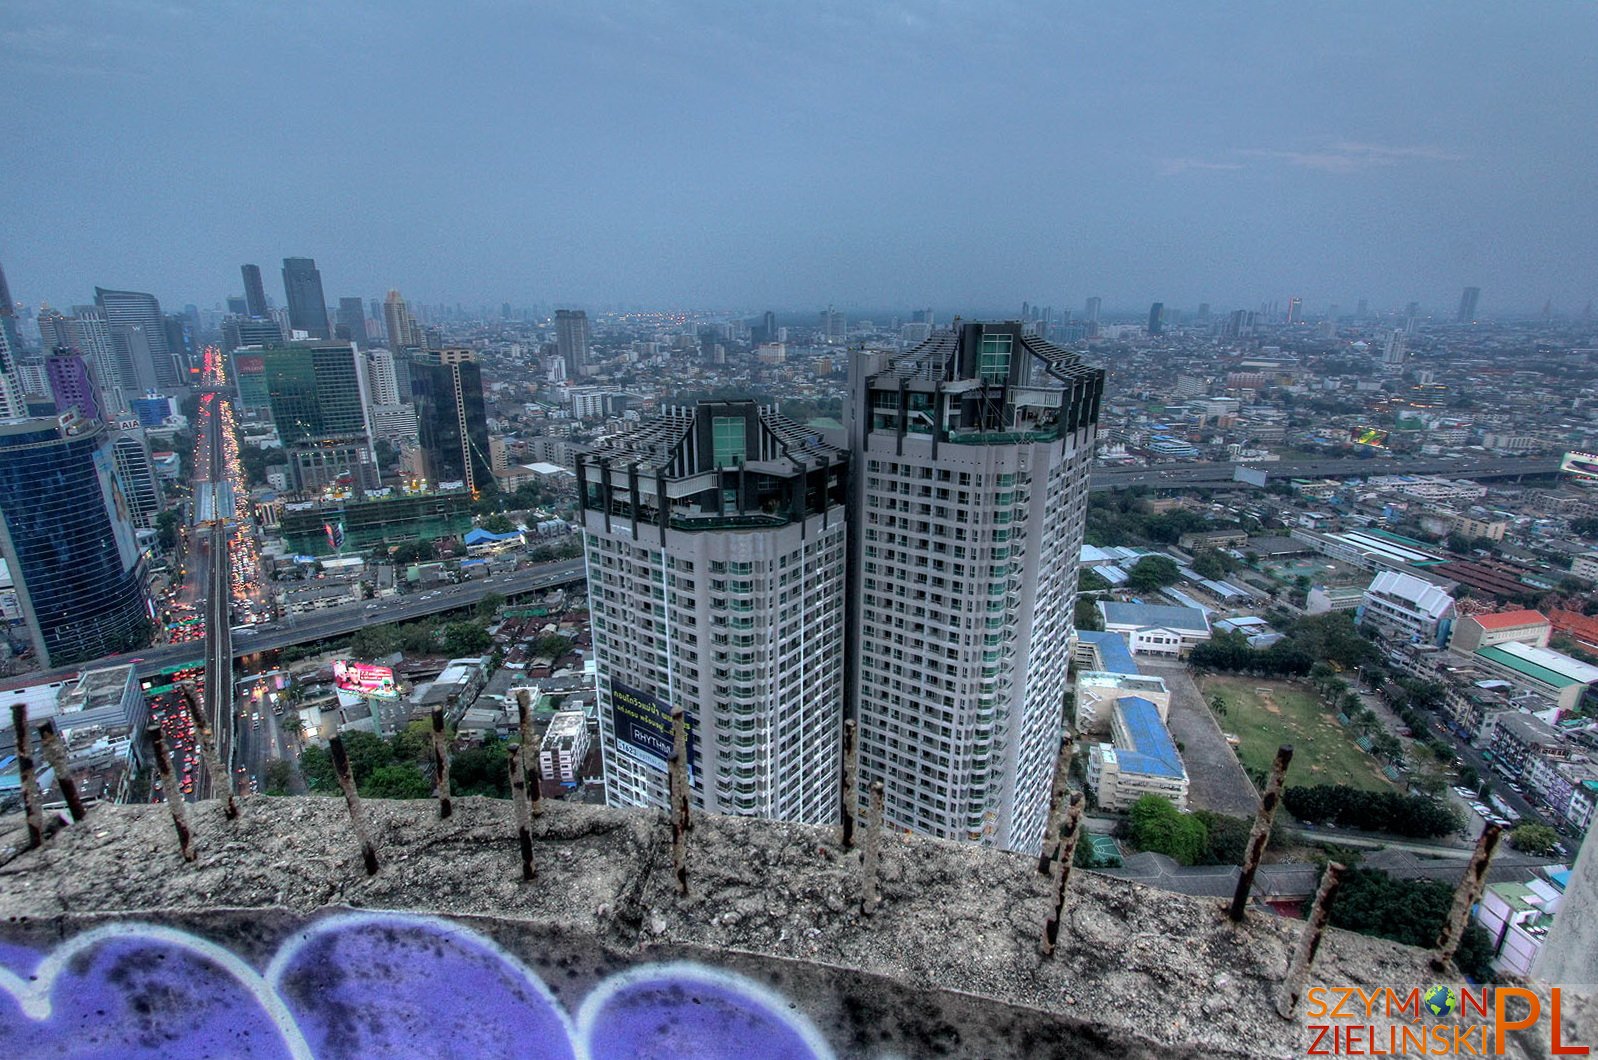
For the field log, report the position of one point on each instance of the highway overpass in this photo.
(302, 629)
(1183, 476)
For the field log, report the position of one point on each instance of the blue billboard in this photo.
(642, 724)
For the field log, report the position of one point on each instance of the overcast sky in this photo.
(745, 153)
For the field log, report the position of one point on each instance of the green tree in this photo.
(316, 766)
(396, 781)
(1160, 827)
(414, 743)
(465, 638)
(554, 646)
(1534, 838)
(1151, 573)
(166, 529)
(1218, 705)
(1226, 838)
(483, 770)
(497, 524)
(367, 753)
(278, 775)
(1091, 581)
(1212, 564)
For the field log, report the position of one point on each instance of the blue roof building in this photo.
(1141, 760)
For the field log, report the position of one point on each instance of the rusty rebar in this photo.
(441, 763)
(1261, 833)
(530, 763)
(848, 799)
(31, 799)
(1057, 802)
(524, 824)
(220, 777)
(681, 791)
(1466, 895)
(871, 853)
(169, 789)
(346, 781)
(56, 754)
(1070, 834)
(1309, 941)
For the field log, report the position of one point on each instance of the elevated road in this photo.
(303, 629)
(1181, 476)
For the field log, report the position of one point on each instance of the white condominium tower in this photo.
(716, 548)
(970, 456)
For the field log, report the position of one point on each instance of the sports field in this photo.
(1263, 715)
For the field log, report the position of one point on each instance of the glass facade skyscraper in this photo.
(314, 391)
(451, 421)
(302, 284)
(66, 535)
(254, 292)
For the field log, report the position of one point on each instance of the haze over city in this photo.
(725, 154)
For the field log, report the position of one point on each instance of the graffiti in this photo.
(370, 984)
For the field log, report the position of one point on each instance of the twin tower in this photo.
(915, 571)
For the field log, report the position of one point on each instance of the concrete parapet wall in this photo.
(274, 942)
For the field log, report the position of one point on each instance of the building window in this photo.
(993, 363)
(727, 433)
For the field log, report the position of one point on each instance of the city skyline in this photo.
(1341, 162)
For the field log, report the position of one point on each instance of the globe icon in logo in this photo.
(1440, 1001)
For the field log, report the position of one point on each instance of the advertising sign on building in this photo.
(642, 724)
(366, 680)
(1582, 465)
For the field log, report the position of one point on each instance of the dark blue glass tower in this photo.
(65, 533)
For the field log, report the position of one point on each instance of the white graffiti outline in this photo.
(687, 971)
(35, 998)
(290, 947)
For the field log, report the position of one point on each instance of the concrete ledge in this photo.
(948, 965)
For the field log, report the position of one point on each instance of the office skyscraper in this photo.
(65, 535)
(315, 392)
(1295, 310)
(144, 359)
(834, 328)
(451, 421)
(716, 539)
(302, 288)
(254, 292)
(1091, 312)
(1157, 318)
(352, 321)
(1467, 305)
(571, 341)
(971, 456)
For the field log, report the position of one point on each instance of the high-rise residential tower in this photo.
(398, 323)
(970, 458)
(65, 535)
(451, 421)
(1467, 305)
(254, 292)
(302, 288)
(72, 385)
(716, 539)
(571, 341)
(145, 360)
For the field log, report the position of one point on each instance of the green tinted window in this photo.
(727, 433)
(993, 359)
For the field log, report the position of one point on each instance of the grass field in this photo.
(1263, 715)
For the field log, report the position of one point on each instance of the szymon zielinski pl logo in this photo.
(1434, 1021)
